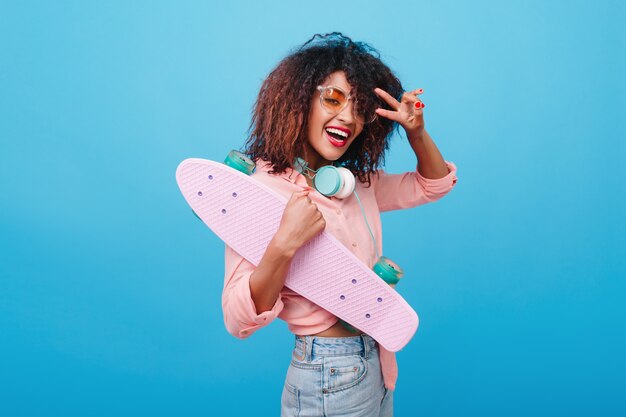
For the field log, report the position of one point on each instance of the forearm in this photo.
(430, 162)
(268, 278)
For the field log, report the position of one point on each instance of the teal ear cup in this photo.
(327, 180)
(240, 162)
(334, 181)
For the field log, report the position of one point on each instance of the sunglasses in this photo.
(335, 100)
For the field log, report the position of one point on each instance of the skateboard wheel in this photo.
(240, 162)
(349, 327)
(388, 270)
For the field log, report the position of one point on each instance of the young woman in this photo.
(331, 102)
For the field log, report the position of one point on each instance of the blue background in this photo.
(110, 288)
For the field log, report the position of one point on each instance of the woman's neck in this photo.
(313, 159)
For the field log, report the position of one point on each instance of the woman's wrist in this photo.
(429, 160)
(281, 247)
(416, 135)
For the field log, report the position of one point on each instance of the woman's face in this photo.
(330, 135)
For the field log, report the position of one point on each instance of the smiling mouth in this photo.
(337, 136)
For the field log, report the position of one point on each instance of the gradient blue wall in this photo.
(110, 288)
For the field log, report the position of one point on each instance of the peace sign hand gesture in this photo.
(408, 112)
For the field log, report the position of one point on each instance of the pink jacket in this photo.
(345, 221)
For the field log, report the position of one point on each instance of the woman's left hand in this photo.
(408, 112)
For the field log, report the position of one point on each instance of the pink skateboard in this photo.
(246, 214)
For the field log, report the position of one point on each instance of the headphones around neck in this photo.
(328, 180)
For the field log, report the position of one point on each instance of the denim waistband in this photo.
(309, 348)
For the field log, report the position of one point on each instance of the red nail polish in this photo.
(417, 104)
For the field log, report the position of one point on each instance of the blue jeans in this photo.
(331, 377)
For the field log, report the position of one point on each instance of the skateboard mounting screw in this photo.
(367, 316)
(380, 300)
(200, 193)
(343, 297)
(235, 195)
(210, 177)
(223, 211)
(354, 281)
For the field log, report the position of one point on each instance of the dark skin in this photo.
(302, 220)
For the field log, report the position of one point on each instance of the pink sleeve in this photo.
(240, 315)
(400, 191)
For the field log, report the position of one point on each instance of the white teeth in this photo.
(337, 132)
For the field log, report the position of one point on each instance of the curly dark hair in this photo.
(278, 130)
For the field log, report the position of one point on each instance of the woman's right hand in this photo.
(301, 222)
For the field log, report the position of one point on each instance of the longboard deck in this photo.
(246, 214)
